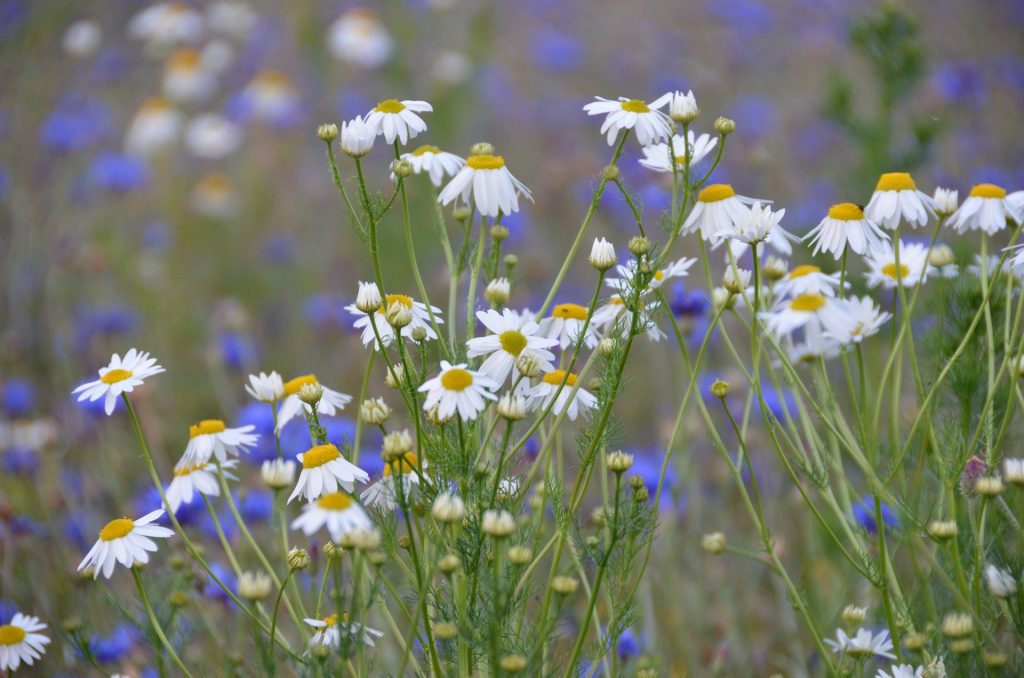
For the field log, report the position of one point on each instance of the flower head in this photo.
(434, 162)
(122, 375)
(21, 641)
(666, 157)
(650, 124)
(845, 226)
(896, 199)
(124, 541)
(397, 119)
(338, 511)
(458, 389)
(488, 183)
(356, 137)
(267, 388)
(986, 209)
(511, 335)
(864, 643)
(325, 470)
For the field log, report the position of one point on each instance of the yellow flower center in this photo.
(320, 455)
(567, 311)
(680, 159)
(182, 472)
(272, 79)
(390, 106)
(114, 376)
(292, 386)
(184, 59)
(616, 301)
(403, 299)
(513, 341)
(332, 620)
(896, 181)
(405, 465)
(11, 635)
(801, 271)
(205, 427)
(635, 106)
(485, 162)
(808, 303)
(988, 191)
(555, 377)
(846, 211)
(890, 270)
(716, 192)
(335, 501)
(116, 529)
(659, 275)
(422, 150)
(456, 379)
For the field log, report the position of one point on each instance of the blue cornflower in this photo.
(118, 172)
(864, 514)
(17, 397)
(21, 461)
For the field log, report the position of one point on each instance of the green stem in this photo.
(156, 623)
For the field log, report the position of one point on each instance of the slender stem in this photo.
(156, 623)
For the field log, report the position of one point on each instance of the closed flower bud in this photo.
(511, 260)
(498, 291)
(1013, 471)
(942, 529)
(636, 481)
(511, 407)
(736, 280)
(775, 269)
(327, 132)
(610, 172)
(1000, 583)
(619, 461)
(641, 494)
(377, 558)
(72, 624)
(606, 346)
(720, 389)
(404, 542)
(418, 334)
(366, 540)
(397, 444)
(298, 559)
(941, 255)
(499, 232)
(639, 245)
(946, 201)
(519, 555)
(498, 523)
(449, 563)
(683, 108)
(278, 474)
(395, 376)
(528, 363)
(481, 148)
(725, 126)
(597, 516)
(398, 315)
(333, 551)
(448, 508)
(713, 543)
(722, 299)
(914, 641)
(254, 585)
(961, 645)
(957, 625)
(993, 660)
(374, 411)
(356, 138)
(445, 630)
(178, 599)
(854, 615)
(564, 585)
(602, 254)
(512, 663)
(402, 168)
(311, 393)
(989, 486)
(368, 298)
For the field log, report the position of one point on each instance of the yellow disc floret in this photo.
(116, 529)
(890, 270)
(11, 635)
(512, 341)
(205, 427)
(292, 386)
(320, 455)
(716, 193)
(896, 181)
(808, 303)
(988, 191)
(635, 106)
(335, 501)
(846, 211)
(485, 162)
(116, 375)
(801, 271)
(567, 311)
(555, 377)
(390, 106)
(422, 150)
(407, 464)
(456, 379)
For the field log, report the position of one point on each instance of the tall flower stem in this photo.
(156, 623)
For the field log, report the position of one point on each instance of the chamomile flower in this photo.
(122, 375)
(913, 265)
(614, 315)
(865, 319)
(384, 493)
(338, 511)
(651, 124)
(187, 80)
(986, 209)
(360, 38)
(156, 126)
(397, 119)
(165, 24)
(212, 438)
(458, 389)
(328, 635)
(676, 269)
(331, 402)
(267, 388)
(434, 162)
(124, 541)
(815, 344)
(717, 211)
(759, 224)
(270, 97)
(487, 182)
(660, 158)
(901, 671)
(807, 279)
(212, 137)
(324, 470)
(565, 324)
(192, 478)
(896, 198)
(845, 226)
(814, 309)
(215, 196)
(541, 395)
(863, 644)
(511, 334)
(420, 319)
(21, 641)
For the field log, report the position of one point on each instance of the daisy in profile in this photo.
(845, 226)
(651, 124)
(324, 470)
(896, 198)
(328, 634)
(434, 162)
(21, 641)
(122, 375)
(420, 320)
(338, 511)
(565, 324)
(487, 182)
(865, 319)
(814, 345)
(913, 265)
(717, 211)
(663, 158)
(212, 438)
(614, 316)
(360, 38)
(511, 334)
(331, 402)
(863, 644)
(986, 209)
(155, 127)
(676, 269)
(384, 493)
(541, 395)
(807, 279)
(817, 310)
(457, 389)
(196, 478)
(124, 541)
(398, 119)
(266, 388)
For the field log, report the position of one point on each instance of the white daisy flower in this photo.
(946, 201)
(212, 136)
(338, 511)
(356, 137)
(759, 224)
(82, 39)
(331, 402)
(397, 119)
(1016, 199)
(21, 641)
(165, 24)
(913, 266)
(124, 541)
(156, 126)
(986, 209)
(845, 226)
(384, 493)
(120, 376)
(215, 196)
(866, 318)
(614, 315)
(542, 394)
(863, 644)
(511, 335)
(187, 80)
(683, 107)
(1011, 268)
(434, 162)
(651, 124)
(817, 310)
(192, 478)
(717, 211)
(420, 319)
(896, 198)
(815, 344)
(565, 324)
(271, 96)
(212, 438)
(487, 182)
(676, 269)
(660, 158)
(233, 18)
(807, 279)
(901, 671)
(266, 388)
(1000, 582)
(360, 38)
(325, 470)
(458, 389)
(329, 635)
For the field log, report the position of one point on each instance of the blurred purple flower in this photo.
(118, 172)
(17, 397)
(960, 82)
(77, 123)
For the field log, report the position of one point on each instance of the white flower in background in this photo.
(277, 474)
(155, 127)
(946, 201)
(896, 198)
(819, 311)
(328, 635)
(384, 493)
(1013, 467)
(565, 324)
(683, 107)
(331, 402)
(676, 269)
(759, 224)
(845, 226)
(21, 641)
(1016, 200)
(659, 157)
(212, 136)
(614, 315)
(360, 38)
(233, 19)
(124, 541)
(863, 644)
(815, 344)
(338, 511)
(511, 334)
(986, 209)
(807, 279)
(434, 162)
(420, 319)
(215, 196)
(120, 376)
(1000, 582)
(267, 388)
(602, 254)
(901, 671)
(397, 119)
(716, 212)
(192, 478)
(211, 438)
(217, 55)
(913, 266)
(457, 389)
(356, 137)
(944, 261)
(451, 68)
(486, 182)
(865, 319)
(166, 24)
(368, 297)
(541, 395)
(1010, 268)
(324, 470)
(270, 96)
(651, 125)
(82, 40)
(187, 79)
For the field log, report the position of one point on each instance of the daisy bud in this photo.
(528, 364)
(461, 213)
(722, 299)
(498, 524)
(402, 168)
(511, 261)
(942, 529)
(366, 540)
(434, 416)
(368, 298)
(597, 516)
(641, 494)
(333, 551)
(854, 615)
(278, 474)
(957, 625)
(254, 586)
(481, 148)
(396, 445)
(713, 543)
(519, 555)
(298, 559)
(648, 672)
(775, 269)
(499, 232)
(311, 394)
(725, 126)
(512, 663)
(564, 585)
(736, 280)
(1014, 471)
(327, 132)
(498, 291)
(449, 563)
(602, 255)
(395, 376)
(941, 255)
(989, 486)
(636, 481)
(961, 646)
(377, 558)
(356, 138)
(720, 389)
(398, 315)
(178, 599)
(993, 660)
(448, 508)
(445, 630)
(404, 542)
(1000, 583)
(639, 245)
(619, 462)
(610, 172)
(606, 346)
(946, 201)
(914, 641)
(511, 407)
(418, 334)
(374, 411)
(683, 107)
